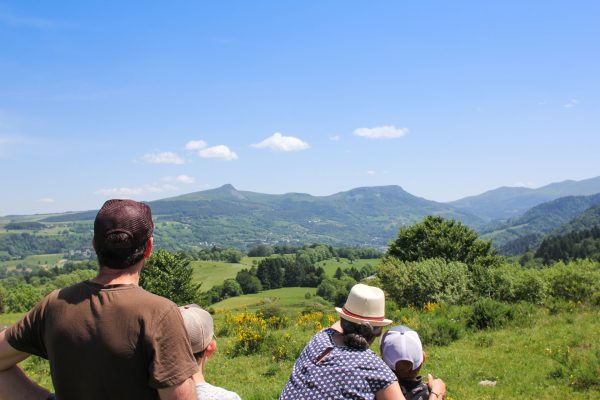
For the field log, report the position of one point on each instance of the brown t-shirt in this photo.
(107, 342)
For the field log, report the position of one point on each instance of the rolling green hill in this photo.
(527, 231)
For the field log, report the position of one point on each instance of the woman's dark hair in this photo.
(118, 252)
(359, 336)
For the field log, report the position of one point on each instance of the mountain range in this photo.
(510, 202)
(511, 217)
(361, 216)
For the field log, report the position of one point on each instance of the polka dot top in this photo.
(344, 373)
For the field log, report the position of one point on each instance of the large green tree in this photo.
(170, 275)
(436, 237)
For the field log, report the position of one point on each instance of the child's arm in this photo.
(437, 388)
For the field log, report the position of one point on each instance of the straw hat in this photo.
(364, 304)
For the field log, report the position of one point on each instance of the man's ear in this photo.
(424, 357)
(149, 247)
(210, 349)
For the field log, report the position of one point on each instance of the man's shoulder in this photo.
(135, 296)
(206, 391)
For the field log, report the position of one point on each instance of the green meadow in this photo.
(541, 354)
(290, 299)
(41, 260)
(211, 273)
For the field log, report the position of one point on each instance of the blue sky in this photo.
(152, 99)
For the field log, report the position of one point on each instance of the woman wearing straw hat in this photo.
(337, 362)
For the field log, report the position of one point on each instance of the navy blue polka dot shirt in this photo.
(344, 373)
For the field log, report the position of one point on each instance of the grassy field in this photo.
(212, 273)
(541, 355)
(44, 260)
(521, 358)
(330, 266)
(290, 299)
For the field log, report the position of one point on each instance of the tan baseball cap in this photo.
(199, 325)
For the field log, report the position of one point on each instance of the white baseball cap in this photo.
(401, 344)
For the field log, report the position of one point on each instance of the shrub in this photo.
(417, 283)
(531, 287)
(440, 331)
(576, 281)
(488, 313)
(251, 332)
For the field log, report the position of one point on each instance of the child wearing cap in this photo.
(402, 351)
(200, 328)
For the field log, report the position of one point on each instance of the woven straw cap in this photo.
(364, 304)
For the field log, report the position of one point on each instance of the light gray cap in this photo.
(401, 344)
(199, 326)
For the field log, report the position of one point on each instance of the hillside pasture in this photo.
(211, 273)
(291, 299)
(40, 260)
(536, 356)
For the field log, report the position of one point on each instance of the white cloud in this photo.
(185, 179)
(220, 152)
(136, 191)
(167, 157)
(46, 200)
(371, 172)
(335, 138)
(195, 145)
(278, 142)
(571, 103)
(381, 132)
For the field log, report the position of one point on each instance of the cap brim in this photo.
(342, 314)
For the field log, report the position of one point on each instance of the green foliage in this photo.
(436, 237)
(262, 250)
(30, 225)
(440, 331)
(571, 246)
(488, 313)
(230, 255)
(248, 281)
(291, 270)
(576, 281)
(22, 297)
(170, 275)
(336, 290)
(432, 280)
(24, 244)
(528, 230)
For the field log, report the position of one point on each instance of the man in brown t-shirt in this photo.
(105, 338)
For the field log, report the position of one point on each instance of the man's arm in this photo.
(184, 391)
(9, 356)
(14, 384)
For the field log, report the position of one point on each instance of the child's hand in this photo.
(436, 386)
